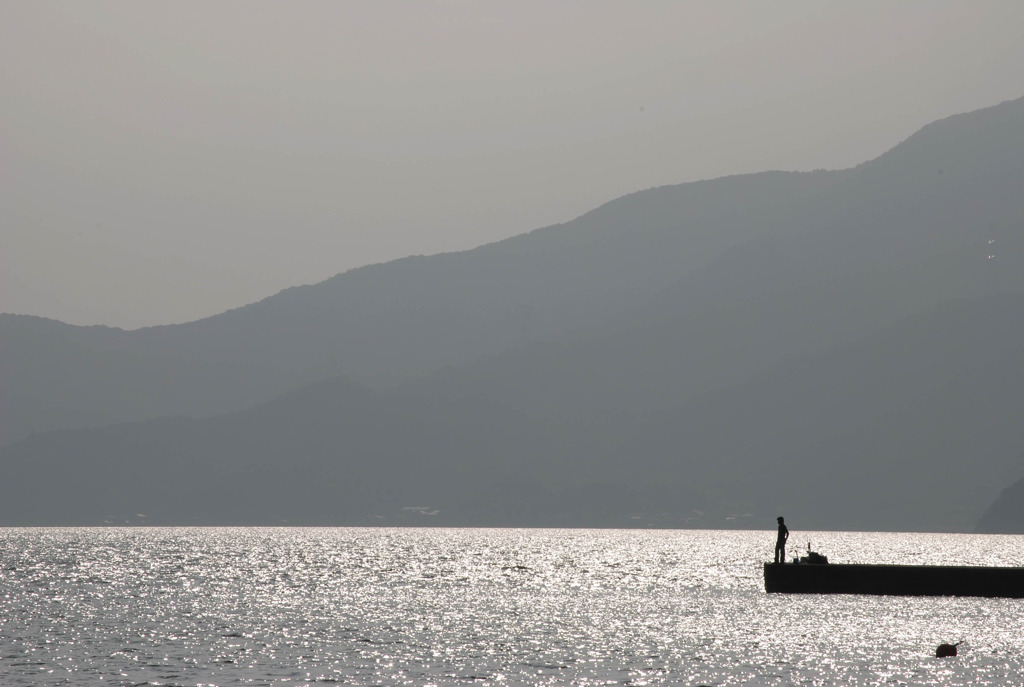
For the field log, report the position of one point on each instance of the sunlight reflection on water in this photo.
(445, 606)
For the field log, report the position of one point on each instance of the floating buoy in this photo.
(945, 650)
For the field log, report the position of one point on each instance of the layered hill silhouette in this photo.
(845, 347)
(386, 324)
(1006, 514)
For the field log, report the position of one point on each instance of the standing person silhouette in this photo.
(780, 543)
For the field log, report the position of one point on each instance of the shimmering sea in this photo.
(304, 606)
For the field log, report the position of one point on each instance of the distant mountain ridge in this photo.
(842, 345)
(383, 324)
(1006, 514)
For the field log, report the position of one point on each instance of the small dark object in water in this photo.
(945, 650)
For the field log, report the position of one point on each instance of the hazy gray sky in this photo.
(164, 161)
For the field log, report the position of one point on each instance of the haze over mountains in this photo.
(844, 347)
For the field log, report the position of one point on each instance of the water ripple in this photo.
(301, 606)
